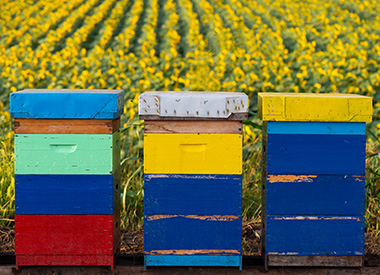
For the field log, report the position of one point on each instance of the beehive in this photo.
(193, 178)
(313, 178)
(67, 176)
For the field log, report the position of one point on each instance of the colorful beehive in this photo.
(193, 178)
(67, 176)
(313, 178)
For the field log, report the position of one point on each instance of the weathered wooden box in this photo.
(313, 178)
(193, 178)
(67, 176)
(67, 239)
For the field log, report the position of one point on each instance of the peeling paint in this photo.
(182, 176)
(192, 252)
(316, 218)
(291, 178)
(158, 176)
(283, 253)
(224, 218)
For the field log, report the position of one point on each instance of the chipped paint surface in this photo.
(193, 104)
(283, 253)
(192, 252)
(317, 218)
(190, 176)
(314, 107)
(224, 218)
(291, 178)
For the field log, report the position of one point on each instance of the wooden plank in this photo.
(314, 235)
(192, 235)
(315, 195)
(314, 107)
(67, 154)
(67, 234)
(66, 260)
(323, 261)
(238, 117)
(193, 126)
(189, 194)
(66, 194)
(190, 260)
(66, 126)
(67, 104)
(193, 154)
(315, 128)
(316, 154)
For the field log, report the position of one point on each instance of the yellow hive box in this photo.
(314, 107)
(193, 153)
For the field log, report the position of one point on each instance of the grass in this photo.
(7, 198)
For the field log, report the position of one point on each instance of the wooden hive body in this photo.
(193, 178)
(67, 180)
(313, 178)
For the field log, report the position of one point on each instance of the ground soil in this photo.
(7, 239)
(132, 242)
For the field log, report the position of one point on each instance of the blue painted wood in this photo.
(71, 104)
(316, 154)
(315, 195)
(66, 194)
(173, 235)
(316, 128)
(189, 194)
(190, 260)
(315, 235)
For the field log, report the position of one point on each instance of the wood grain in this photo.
(67, 104)
(66, 194)
(331, 261)
(193, 153)
(315, 195)
(193, 126)
(314, 107)
(192, 260)
(316, 154)
(242, 116)
(66, 260)
(67, 234)
(188, 236)
(192, 194)
(315, 128)
(293, 235)
(67, 154)
(66, 126)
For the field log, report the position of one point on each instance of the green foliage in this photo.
(7, 187)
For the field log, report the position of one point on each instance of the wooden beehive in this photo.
(67, 176)
(313, 178)
(193, 178)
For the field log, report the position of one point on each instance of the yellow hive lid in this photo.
(314, 107)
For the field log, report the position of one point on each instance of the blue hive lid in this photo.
(67, 104)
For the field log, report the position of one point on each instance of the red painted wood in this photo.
(67, 234)
(72, 260)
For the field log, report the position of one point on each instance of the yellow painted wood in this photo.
(193, 153)
(314, 107)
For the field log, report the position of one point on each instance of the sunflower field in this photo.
(249, 46)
